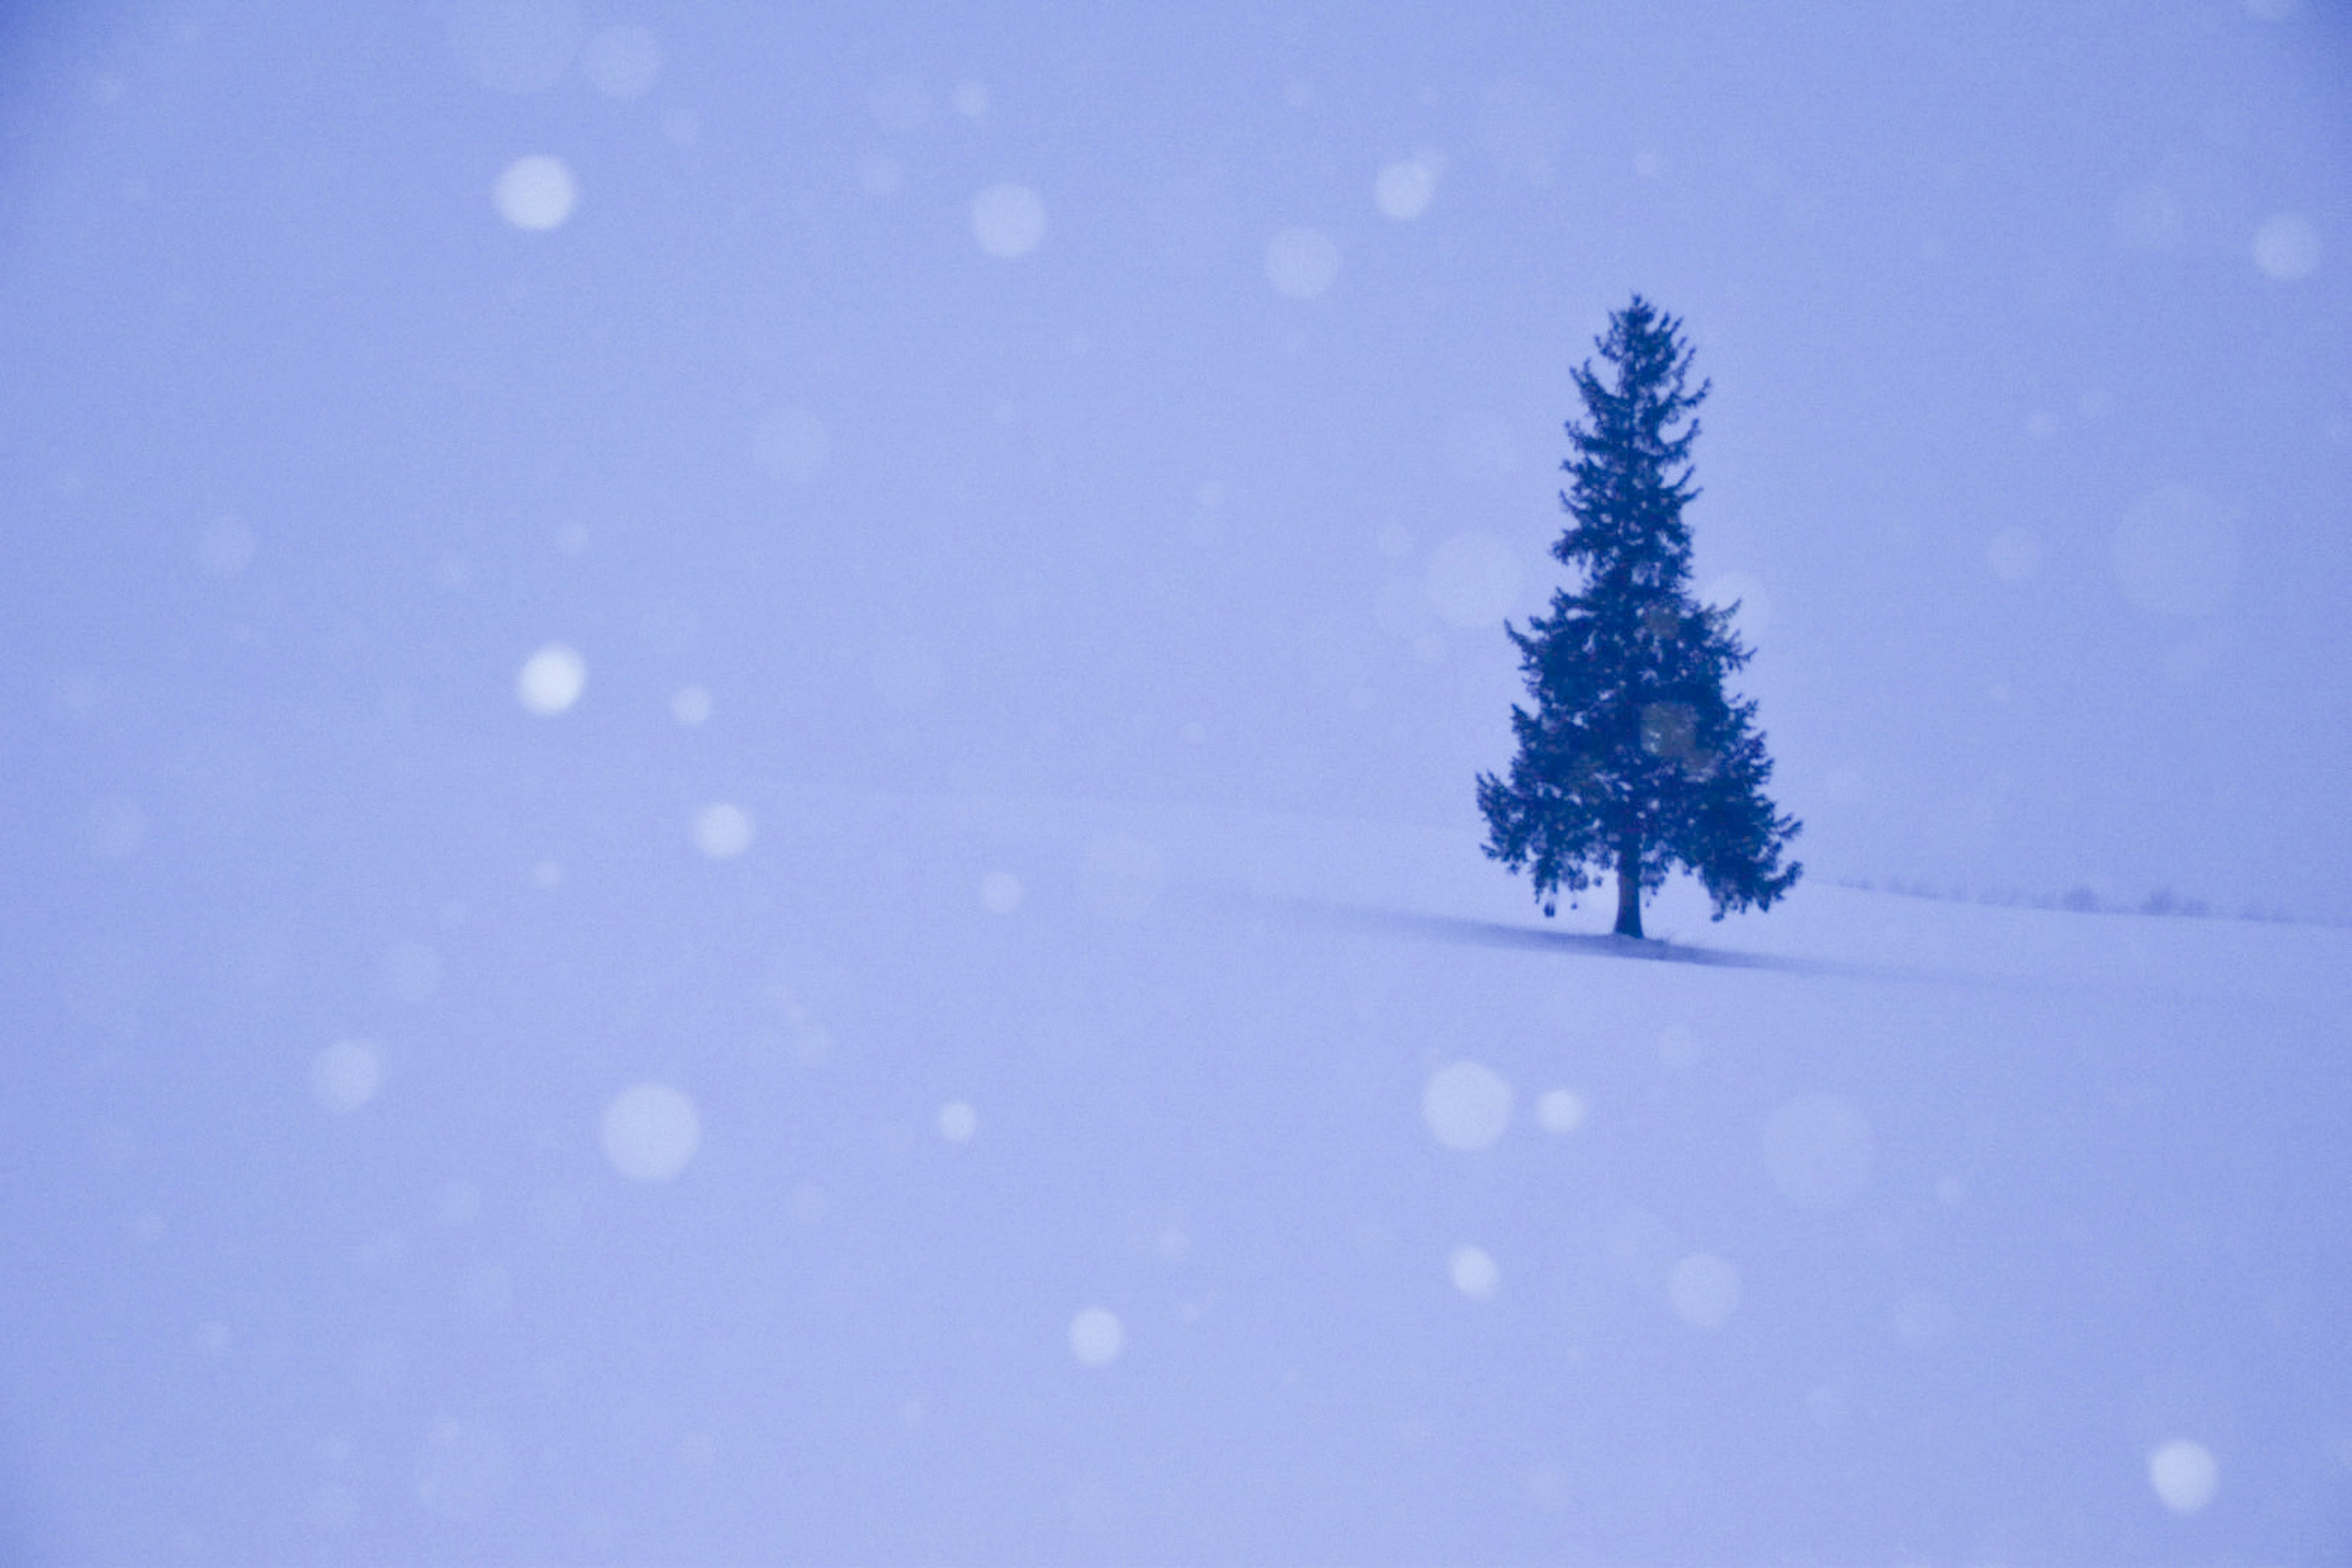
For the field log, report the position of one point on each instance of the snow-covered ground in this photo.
(874, 1179)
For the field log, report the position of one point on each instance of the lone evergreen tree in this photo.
(1634, 759)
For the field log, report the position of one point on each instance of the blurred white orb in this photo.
(1560, 1110)
(690, 706)
(958, 1122)
(1704, 1291)
(1405, 188)
(2287, 247)
(2013, 554)
(2176, 553)
(1467, 1106)
(1000, 892)
(535, 193)
(1473, 579)
(1301, 262)
(1474, 1273)
(722, 831)
(551, 679)
(970, 100)
(515, 45)
(792, 444)
(1817, 1149)
(2184, 1474)
(346, 1074)
(622, 61)
(651, 1130)
(1097, 1337)
(1008, 220)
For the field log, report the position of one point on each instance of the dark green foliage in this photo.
(1635, 759)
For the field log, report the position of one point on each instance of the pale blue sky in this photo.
(1971, 287)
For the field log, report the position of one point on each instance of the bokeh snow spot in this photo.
(1817, 1149)
(1008, 220)
(1474, 1273)
(690, 706)
(1097, 1336)
(1467, 1106)
(1473, 579)
(2287, 247)
(651, 1130)
(792, 444)
(1560, 1110)
(2184, 1474)
(722, 831)
(346, 1074)
(1704, 1291)
(958, 1122)
(1000, 892)
(622, 61)
(1301, 262)
(551, 679)
(1403, 189)
(2176, 553)
(535, 193)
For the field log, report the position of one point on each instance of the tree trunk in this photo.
(1629, 891)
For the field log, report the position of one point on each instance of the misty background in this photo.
(2027, 454)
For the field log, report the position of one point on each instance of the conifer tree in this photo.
(1635, 759)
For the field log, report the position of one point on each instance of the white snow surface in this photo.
(2095, 1218)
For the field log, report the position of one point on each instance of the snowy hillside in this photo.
(969, 1179)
